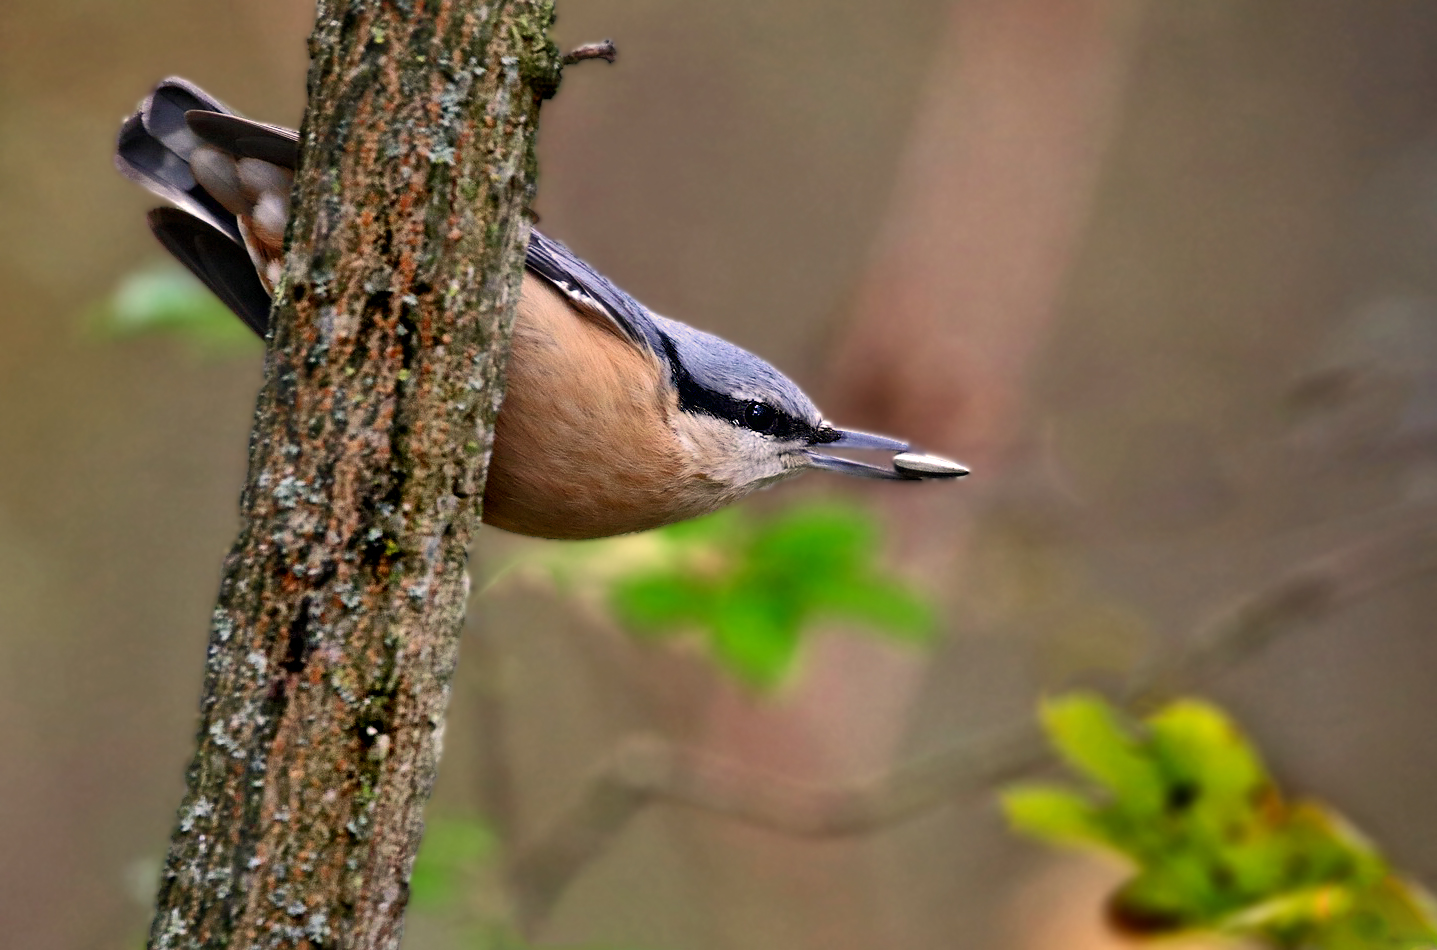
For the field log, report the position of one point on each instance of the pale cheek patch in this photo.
(724, 452)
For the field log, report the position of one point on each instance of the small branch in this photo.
(646, 771)
(1310, 593)
(642, 772)
(604, 49)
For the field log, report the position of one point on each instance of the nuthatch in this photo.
(614, 419)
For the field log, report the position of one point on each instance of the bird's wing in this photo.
(593, 294)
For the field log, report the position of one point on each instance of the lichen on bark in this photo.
(340, 606)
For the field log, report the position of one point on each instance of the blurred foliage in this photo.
(754, 590)
(453, 850)
(1216, 846)
(168, 300)
(454, 860)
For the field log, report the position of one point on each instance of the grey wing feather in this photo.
(591, 291)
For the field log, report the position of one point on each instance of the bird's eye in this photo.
(760, 417)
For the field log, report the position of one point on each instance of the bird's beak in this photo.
(907, 465)
(849, 439)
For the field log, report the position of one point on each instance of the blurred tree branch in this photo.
(339, 612)
(646, 771)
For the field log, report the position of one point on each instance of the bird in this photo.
(615, 419)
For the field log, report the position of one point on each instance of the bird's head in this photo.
(746, 425)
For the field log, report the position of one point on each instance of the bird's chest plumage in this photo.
(584, 446)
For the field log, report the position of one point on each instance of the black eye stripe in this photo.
(697, 398)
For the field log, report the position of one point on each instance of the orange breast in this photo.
(583, 446)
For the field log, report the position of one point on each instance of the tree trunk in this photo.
(340, 608)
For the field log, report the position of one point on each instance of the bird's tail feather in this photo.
(155, 148)
(155, 145)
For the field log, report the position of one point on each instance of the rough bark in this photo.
(341, 603)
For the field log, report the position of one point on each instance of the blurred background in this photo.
(1161, 273)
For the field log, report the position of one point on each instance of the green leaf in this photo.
(819, 542)
(168, 300)
(1159, 901)
(886, 605)
(754, 591)
(652, 602)
(1053, 814)
(1089, 736)
(1223, 851)
(1292, 910)
(1200, 747)
(1391, 914)
(755, 639)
